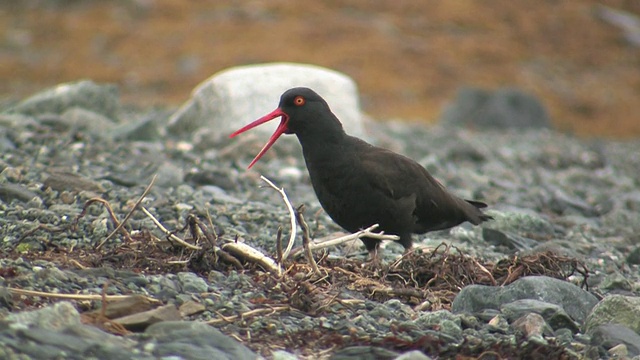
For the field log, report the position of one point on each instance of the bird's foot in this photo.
(409, 251)
(374, 258)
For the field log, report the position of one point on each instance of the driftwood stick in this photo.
(253, 255)
(75, 296)
(263, 312)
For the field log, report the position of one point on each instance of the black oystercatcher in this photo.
(359, 184)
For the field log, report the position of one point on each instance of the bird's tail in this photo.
(479, 215)
(477, 204)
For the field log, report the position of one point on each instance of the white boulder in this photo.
(235, 97)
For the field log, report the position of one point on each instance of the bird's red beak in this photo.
(282, 129)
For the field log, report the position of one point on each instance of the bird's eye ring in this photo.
(299, 100)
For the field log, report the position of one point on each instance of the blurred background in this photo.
(580, 57)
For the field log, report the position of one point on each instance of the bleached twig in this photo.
(368, 232)
(75, 296)
(167, 232)
(263, 312)
(292, 216)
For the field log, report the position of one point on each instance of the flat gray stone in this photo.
(9, 192)
(195, 340)
(61, 181)
(237, 96)
(364, 352)
(101, 99)
(575, 301)
(553, 314)
(55, 317)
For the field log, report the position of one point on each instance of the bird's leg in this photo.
(373, 255)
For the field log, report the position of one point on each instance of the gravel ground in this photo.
(564, 243)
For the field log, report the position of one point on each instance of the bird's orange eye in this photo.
(299, 100)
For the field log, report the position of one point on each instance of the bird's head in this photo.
(302, 111)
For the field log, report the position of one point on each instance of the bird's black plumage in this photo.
(359, 184)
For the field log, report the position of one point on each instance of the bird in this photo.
(359, 184)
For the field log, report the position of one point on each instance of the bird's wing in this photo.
(402, 179)
(398, 176)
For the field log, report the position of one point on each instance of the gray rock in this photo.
(55, 317)
(61, 181)
(498, 324)
(141, 320)
(564, 336)
(101, 99)
(557, 247)
(436, 317)
(532, 325)
(615, 281)
(553, 314)
(6, 144)
(392, 309)
(507, 239)
(634, 256)
(503, 108)
(235, 97)
(617, 309)
(562, 202)
(6, 298)
(169, 175)
(82, 119)
(575, 301)
(217, 194)
(413, 355)
(195, 340)
(520, 222)
(283, 355)
(610, 335)
(77, 338)
(364, 352)
(145, 128)
(167, 289)
(192, 283)
(9, 192)
(53, 277)
(446, 322)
